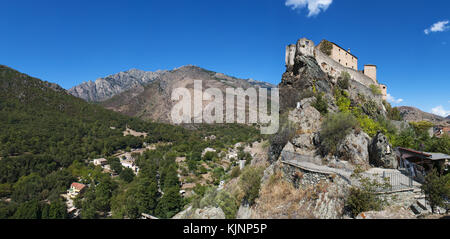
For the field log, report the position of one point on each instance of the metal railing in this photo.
(398, 181)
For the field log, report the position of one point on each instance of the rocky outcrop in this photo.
(205, 213)
(355, 148)
(306, 121)
(105, 88)
(302, 77)
(381, 153)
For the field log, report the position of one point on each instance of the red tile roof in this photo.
(78, 186)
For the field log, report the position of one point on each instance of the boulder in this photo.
(355, 148)
(381, 153)
(306, 120)
(305, 117)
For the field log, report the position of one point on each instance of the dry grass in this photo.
(279, 199)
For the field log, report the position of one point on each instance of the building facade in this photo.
(343, 57)
(371, 71)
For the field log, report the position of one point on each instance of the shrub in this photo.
(371, 109)
(250, 183)
(222, 199)
(343, 81)
(235, 172)
(375, 89)
(342, 100)
(436, 189)
(334, 129)
(326, 47)
(392, 113)
(320, 104)
(209, 156)
(365, 198)
(421, 126)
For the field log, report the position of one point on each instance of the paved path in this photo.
(398, 180)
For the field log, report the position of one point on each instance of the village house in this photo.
(100, 162)
(130, 164)
(76, 189)
(208, 150)
(420, 163)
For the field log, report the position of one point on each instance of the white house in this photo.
(100, 162)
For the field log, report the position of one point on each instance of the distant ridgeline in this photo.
(334, 60)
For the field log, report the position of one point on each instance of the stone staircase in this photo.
(420, 206)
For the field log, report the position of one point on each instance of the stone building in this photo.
(371, 71)
(338, 61)
(342, 56)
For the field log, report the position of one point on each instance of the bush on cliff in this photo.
(334, 129)
(375, 89)
(250, 183)
(321, 104)
(365, 198)
(343, 81)
(436, 189)
(326, 47)
(392, 112)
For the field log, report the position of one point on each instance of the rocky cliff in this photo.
(303, 180)
(107, 87)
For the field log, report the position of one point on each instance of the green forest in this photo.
(48, 137)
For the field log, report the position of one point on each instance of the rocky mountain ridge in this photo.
(105, 88)
(414, 114)
(147, 95)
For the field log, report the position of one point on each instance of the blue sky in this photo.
(69, 42)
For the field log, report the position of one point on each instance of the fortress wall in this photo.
(335, 69)
(371, 71)
(343, 57)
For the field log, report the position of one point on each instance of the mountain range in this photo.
(414, 114)
(147, 95)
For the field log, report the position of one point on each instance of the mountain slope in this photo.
(41, 119)
(414, 114)
(147, 95)
(105, 88)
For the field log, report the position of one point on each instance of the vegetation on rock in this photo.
(437, 189)
(250, 183)
(326, 47)
(334, 129)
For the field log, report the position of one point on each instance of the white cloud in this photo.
(314, 6)
(438, 27)
(439, 110)
(391, 99)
